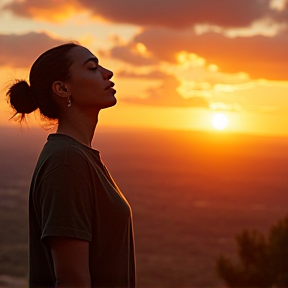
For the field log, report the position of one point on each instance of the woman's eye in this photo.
(93, 68)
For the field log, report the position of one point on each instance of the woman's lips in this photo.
(110, 86)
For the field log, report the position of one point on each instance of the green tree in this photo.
(262, 262)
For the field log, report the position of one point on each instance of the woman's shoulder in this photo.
(62, 150)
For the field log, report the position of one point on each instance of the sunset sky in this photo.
(176, 63)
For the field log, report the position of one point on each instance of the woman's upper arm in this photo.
(71, 261)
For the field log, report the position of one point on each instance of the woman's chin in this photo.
(110, 103)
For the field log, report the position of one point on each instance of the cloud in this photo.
(48, 10)
(166, 95)
(221, 106)
(21, 50)
(128, 53)
(155, 75)
(171, 13)
(265, 27)
(260, 56)
(180, 13)
(259, 96)
(188, 86)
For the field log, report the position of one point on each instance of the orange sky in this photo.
(175, 65)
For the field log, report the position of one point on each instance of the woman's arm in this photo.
(71, 262)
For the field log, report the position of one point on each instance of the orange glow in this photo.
(190, 59)
(60, 12)
(213, 68)
(141, 48)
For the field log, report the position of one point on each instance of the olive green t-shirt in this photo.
(73, 195)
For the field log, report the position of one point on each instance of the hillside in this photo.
(191, 192)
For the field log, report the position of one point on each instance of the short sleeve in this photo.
(64, 201)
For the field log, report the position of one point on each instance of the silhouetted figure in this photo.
(80, 224)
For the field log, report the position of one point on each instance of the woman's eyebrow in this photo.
(94, 59)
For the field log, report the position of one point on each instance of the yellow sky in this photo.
(166, 77)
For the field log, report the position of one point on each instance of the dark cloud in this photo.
(260, 56)
(281, 16)
(21, 50)
(128, 54)
(25, 8)
(166, 95)
(180, 13)
(169, 13)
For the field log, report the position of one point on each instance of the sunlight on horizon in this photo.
(220, 121)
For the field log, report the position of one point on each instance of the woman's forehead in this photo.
(80, 55)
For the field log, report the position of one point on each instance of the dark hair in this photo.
(50, 66)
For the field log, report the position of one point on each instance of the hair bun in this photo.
(21, 98)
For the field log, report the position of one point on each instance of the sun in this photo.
(219, 121)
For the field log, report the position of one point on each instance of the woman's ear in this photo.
(60, 89)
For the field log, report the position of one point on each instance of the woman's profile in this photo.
(80, 224)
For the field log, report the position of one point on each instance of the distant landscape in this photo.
(191, 192)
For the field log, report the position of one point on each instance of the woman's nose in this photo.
(107, 74)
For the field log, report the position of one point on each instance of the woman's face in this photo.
(90, 84)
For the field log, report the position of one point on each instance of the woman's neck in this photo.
(80, 126)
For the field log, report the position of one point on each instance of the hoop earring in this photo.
(69, 102)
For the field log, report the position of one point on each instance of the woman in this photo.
(80, 224)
